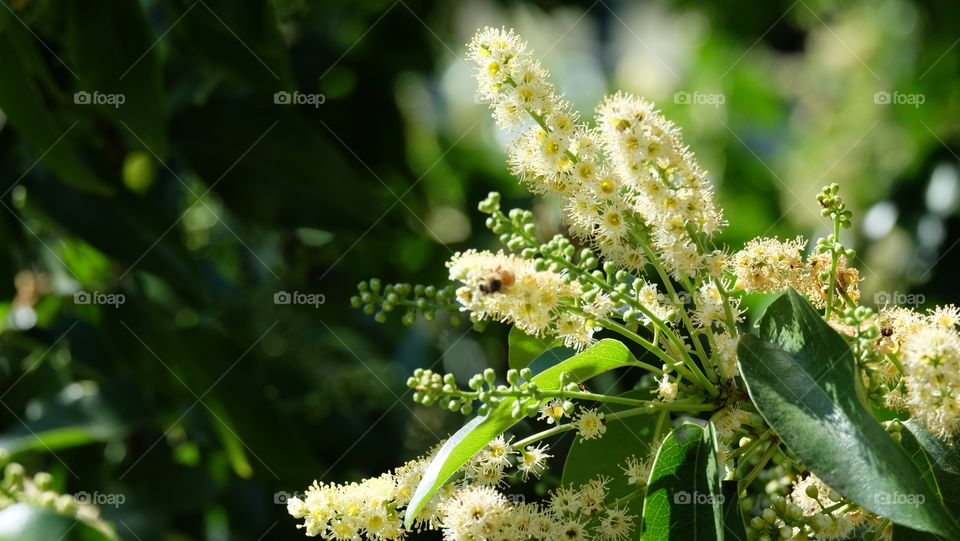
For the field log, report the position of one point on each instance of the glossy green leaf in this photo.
(944, 457)
(686, 497)
(26, 522)
(914, 449)
(603, 356)
(632, 436)
(801, 376)
(549, 358)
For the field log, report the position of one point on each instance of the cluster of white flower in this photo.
(508, 288)
(625, 184)
(488, 467)
(470, 509)
(769, 265)
(481, 513)
(928, 347)
(371, 508)
(660, 179)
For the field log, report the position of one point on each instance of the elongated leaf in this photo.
(603, 356)
(633, 436)
(945, 459)
(69, 421)
(801, 375)
(918, 455)
(20, 98)
(687, 498)
(676, 503)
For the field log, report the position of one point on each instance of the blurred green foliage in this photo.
(199, 198)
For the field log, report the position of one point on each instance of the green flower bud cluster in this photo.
(17, 487)
(867, 334)
(377, 299)
(832, 244)
(836, 209)
(431, 388)
(833, 205)
(785, 520)
(779, 520)
(516, 231)
(893, 429)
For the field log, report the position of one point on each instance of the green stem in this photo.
(654, 404)
(560, 429)
(834, 260)
(668, 284)
(771, 450)
(692, 373)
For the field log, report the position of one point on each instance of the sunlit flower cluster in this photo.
(626, 184)
(478, 513)
(372, 508)
(505, 287)
(661, 180)
(928, 347)
(469, 509)
(769, 265)
(643, 266)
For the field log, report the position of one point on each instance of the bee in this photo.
(886, 331)
(496, 281)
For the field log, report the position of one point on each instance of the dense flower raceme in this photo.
(639, 263)
(469, 509)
